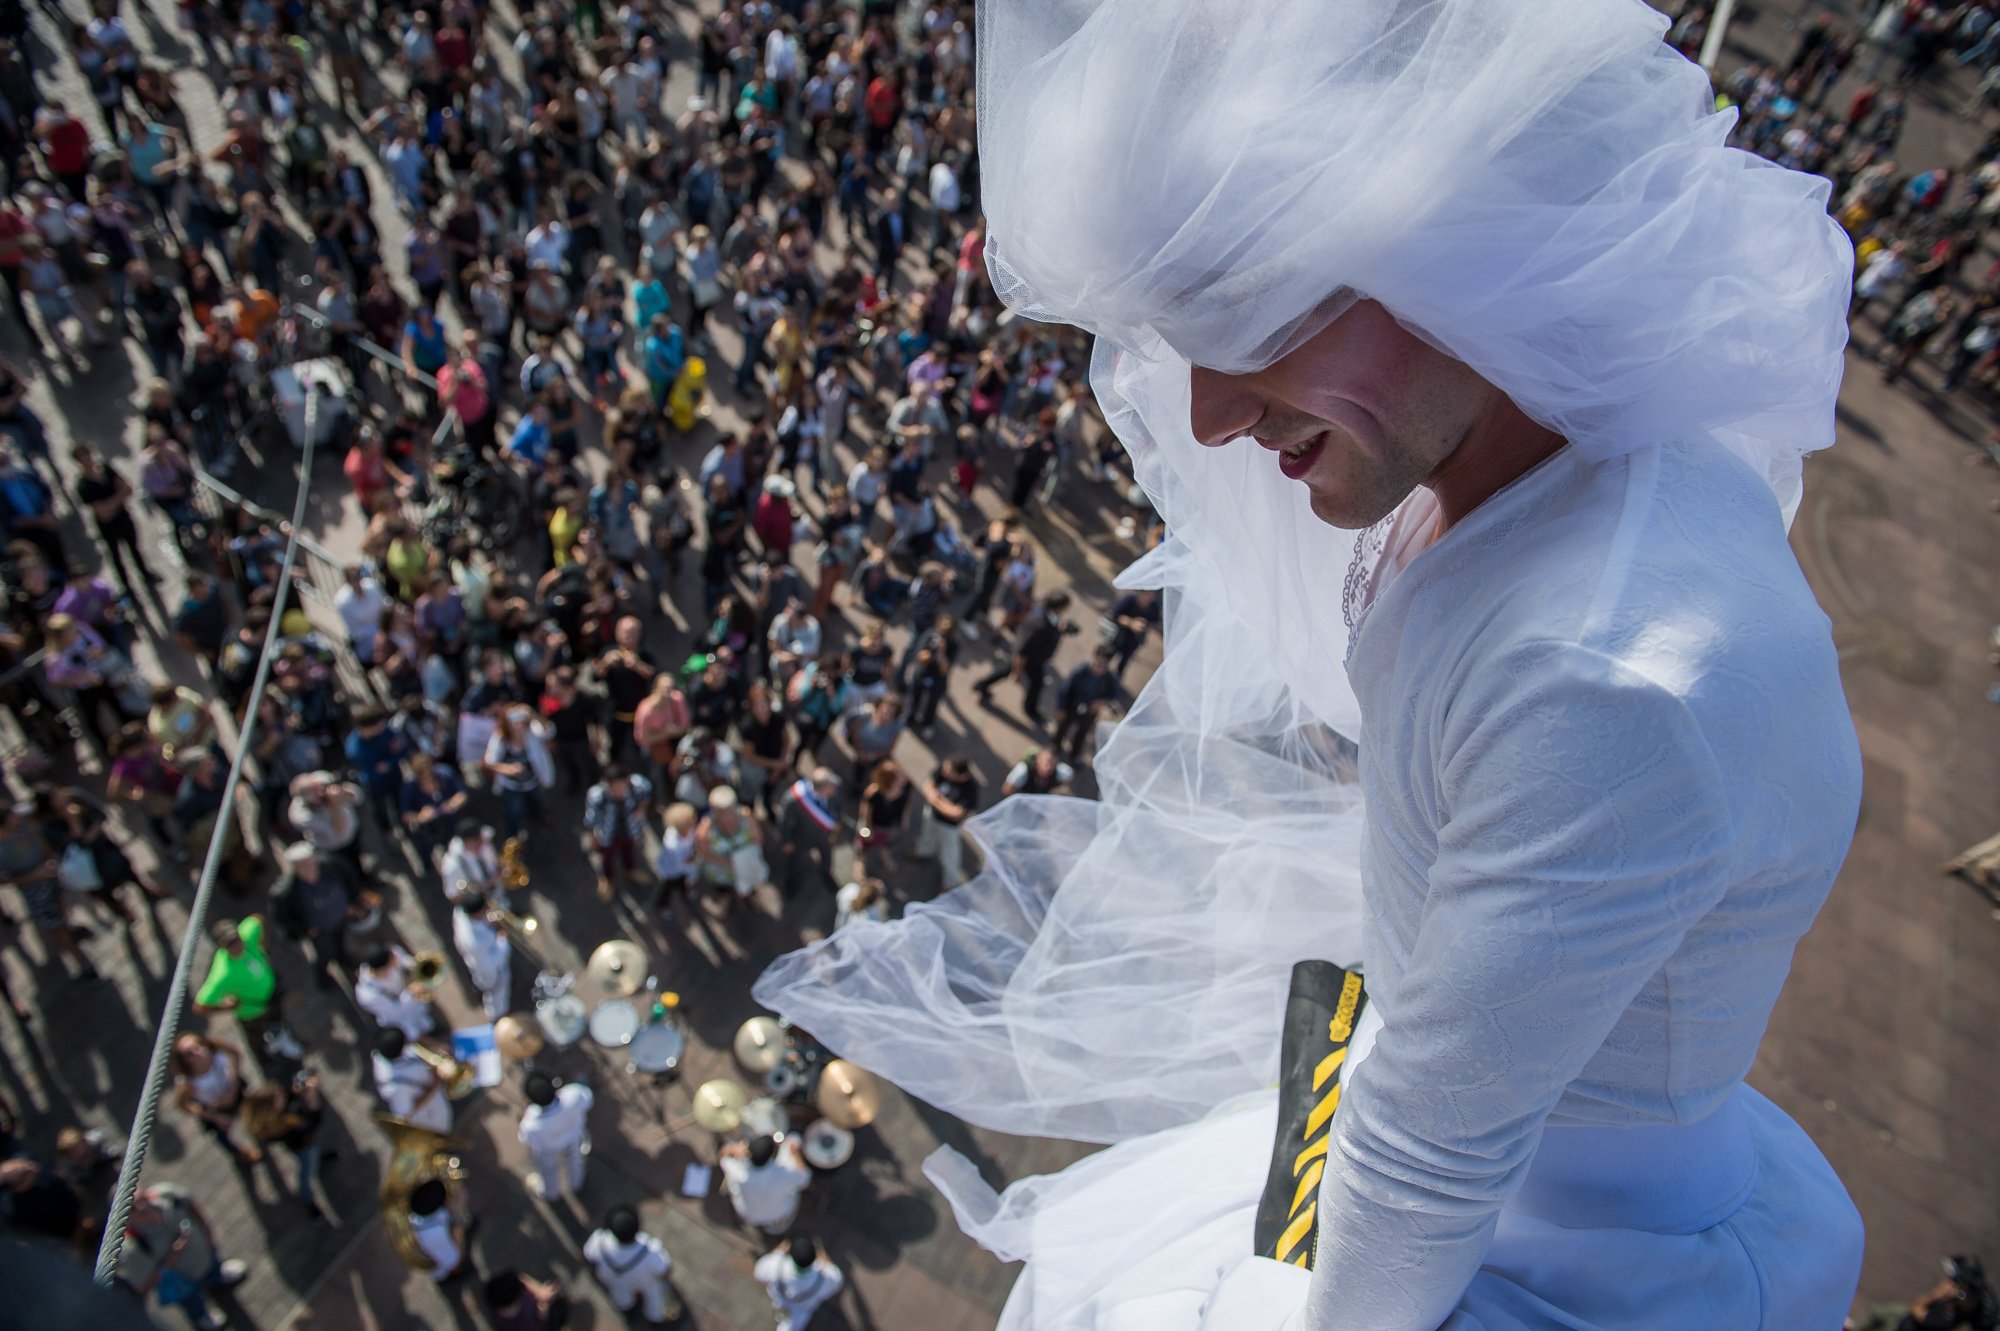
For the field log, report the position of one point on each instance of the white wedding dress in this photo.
(1569, 791)
(1607, 779)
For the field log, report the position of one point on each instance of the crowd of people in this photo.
(698, 459)
(708, 620)
(1926, 293)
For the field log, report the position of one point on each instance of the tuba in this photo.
(416, 1156)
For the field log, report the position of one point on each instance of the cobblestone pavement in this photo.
(1881, 1045)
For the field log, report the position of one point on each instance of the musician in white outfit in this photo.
(383, 990)
(764, 1180)
(554, 1128)
(410, 1088)
(471, 863)
(488, 955)
(632, 1266)
(799, 1279)
(440, 1235)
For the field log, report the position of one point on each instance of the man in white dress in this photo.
(799, 1278)
(764, 1180)
(410, 1088)
(632, 1266)
(488, 954)
(1491, 290)
(383, 990)
(555, 1129)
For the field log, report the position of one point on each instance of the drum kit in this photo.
(797, 1077)
(622, 1008)
(648, 1031)
(605, 1004)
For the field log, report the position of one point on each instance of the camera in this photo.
(1982, 1309)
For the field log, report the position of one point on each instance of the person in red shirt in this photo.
(13, 228)
(370, 472)
(454, 48)
(883, 101)
(65, 144)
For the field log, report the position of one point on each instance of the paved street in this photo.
(1881, 1045)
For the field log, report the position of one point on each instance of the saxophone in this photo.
(513, 873)
(416, 1156)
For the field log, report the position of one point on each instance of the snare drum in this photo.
(827, 1146)
(614, 1023)
(764, 1117)
(563, 1019)
(782, 1080)
(657, 1048)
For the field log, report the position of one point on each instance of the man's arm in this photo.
(1587, 829)
(939, 804)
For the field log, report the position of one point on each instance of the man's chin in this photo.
(1347, 511)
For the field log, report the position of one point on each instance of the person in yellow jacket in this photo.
(685, 398)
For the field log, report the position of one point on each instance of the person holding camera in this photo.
(1034, 647)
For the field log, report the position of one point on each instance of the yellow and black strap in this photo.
(1320, 1013)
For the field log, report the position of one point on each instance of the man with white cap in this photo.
(555, 1129)
(1472, 371)
(632, 1266)
(486, 951)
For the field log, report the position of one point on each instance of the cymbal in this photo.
(718, 1105)
(760, 1043)
(617, 969)
(848, 1096)
(516, 1037)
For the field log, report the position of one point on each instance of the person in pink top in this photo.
(462, 388)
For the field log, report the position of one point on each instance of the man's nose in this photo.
(1221, 406)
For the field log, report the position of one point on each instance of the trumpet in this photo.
(456, 1076)
(426, 969)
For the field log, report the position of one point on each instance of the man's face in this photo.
(1377, 409)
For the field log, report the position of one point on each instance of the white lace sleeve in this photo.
(1584, 827)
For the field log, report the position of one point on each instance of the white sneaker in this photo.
(234, 1270)
(282, 1043)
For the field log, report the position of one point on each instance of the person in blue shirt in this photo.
(530, 442)
(376, 753)
(649, 297)
(664, 354)
(424, 350)
(433, 796)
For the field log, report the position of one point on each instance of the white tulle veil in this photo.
(1542, 190)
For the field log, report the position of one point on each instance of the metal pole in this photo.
(141, 1140)
(1718, 28)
